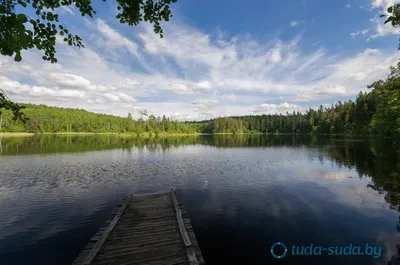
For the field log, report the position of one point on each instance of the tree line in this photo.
(46, 119)
(375, 112)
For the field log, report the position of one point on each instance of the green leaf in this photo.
(18, 57)
(389, 19)
(22, 18)
(390, 9)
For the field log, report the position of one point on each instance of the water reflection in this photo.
(47, 144)
(243, 192)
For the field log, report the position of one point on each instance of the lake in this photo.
(242, 192)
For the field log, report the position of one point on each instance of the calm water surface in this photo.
(243, 193)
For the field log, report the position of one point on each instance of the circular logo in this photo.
(284, 250)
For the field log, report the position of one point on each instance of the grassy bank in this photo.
(9, 134)
(80, 133)
(146, 134)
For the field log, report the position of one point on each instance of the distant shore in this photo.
(148, 134)
(16, 134)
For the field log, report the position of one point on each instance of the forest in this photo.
(46, 119)
(376, 112)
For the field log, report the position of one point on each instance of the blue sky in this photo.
(217, 58)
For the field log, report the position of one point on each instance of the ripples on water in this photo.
(243, 193)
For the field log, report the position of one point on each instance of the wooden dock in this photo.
(146, 230)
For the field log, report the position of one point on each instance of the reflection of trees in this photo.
(80, 143)
(256, 140)
(373, 158)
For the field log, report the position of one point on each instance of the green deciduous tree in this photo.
(7, 104)
(20, 31)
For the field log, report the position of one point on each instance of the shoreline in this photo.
(7, 134)
(148, 134)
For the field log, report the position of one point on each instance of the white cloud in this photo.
(115, 39)
(111, 97)
(68, 9)
(360, 32)
(125, 97)
(320, 93)
(101, 88)
(13, 87)
(204, 102)
(348, 5)
(382, 3)
(203, 85)
(276, 108)
(180, 89)
(129, 83)
(295, 23)
(70, 80)
(190, 74)
(381, 29)
(230, 96)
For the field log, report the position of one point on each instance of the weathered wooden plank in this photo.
(169, 260)
(144, 250)
(81, 257)
(192, 235)
(90, 257)
(146, 230)
(191, 255)
(148, 224)
(145, 237)
(182, 229)
(89, 245)
(142, 256)
(151, 208)
(155, 217)
(142, 244)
